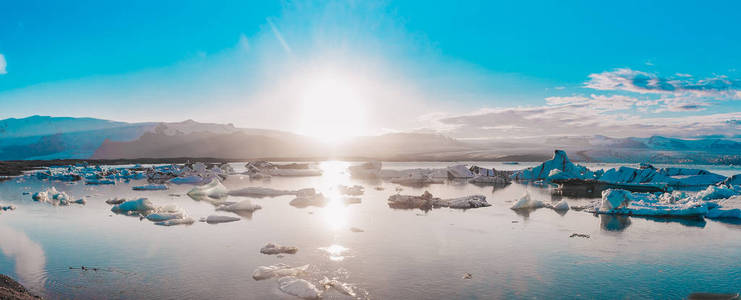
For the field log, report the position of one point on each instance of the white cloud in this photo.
(3, 65)
(649, 83)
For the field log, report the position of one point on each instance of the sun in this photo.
(332, 108)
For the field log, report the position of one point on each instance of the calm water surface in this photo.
(402, 254)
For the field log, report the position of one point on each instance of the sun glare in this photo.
(333, 108)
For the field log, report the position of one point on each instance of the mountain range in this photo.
(43, 137)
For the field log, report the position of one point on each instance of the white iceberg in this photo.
(459, 171)
(244, 205)
(215, 219)
(298, 287)
(355, 190)
(342, 287)
(278, 270)
(213, 190)
(622, 202)
(54, 197)
(527, 202)
(561, 206)
(559, 162)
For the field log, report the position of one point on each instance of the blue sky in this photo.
(583, 67)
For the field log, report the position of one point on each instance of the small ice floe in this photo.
(561, 206)
(527, 202)
(138, 206)
(258, 192)
(426, 202)
(241, 206)
(342, 287)
(355, 190)
(263, 169)
(298, 287)
(150, 187)
(317, 200)
(99, 181)
(173, 222)
(7, 207)
(581, 235)
(278, 270)
(366, 170)
(273, 249)
(54, 197)
(165, 216)
(213, 190)
(115, 201)
(192, 179)
(417, 178)
(215, 219)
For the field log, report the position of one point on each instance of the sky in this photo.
(471, 70)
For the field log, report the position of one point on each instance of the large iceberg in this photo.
(560, 162)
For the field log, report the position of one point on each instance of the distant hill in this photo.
(40, 137)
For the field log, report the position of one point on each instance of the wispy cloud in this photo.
(643, 82)
(3, 65)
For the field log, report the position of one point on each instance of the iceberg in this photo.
(214, 190)
(215, 219)
(419, 177)
(140, 205)
(427, 202)
(714, 192)
(192, 179)
(272, 249)
(266, 169)
(54, 197)
(244, 205)
(165, 216)
(366, 170)
(560, 162)
(303, 201)
(298, 287)
(339, 286)
(355, 190)
(258, 192)
(7, 207)
(278, 270)
(733, 180)
(115, 201)
(527, 202)
(622, 202)
(561, 206)
(150, 187)
(173, 222)
(493, 180)
(459, 171)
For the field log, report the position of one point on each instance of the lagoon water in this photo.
(401, 254)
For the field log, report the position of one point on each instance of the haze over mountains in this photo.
(41, 137)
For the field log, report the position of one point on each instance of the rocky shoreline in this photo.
(11, 289)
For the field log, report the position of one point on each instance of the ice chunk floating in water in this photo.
(278, 270)
(298, 287)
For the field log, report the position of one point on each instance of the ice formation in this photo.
(215, 219)
(355, 190)
(342, 287)
(298, 287)
(260, 169)
(141, 205)
(272, 249)
(278, 270)
(366, 170)
(561, 206)
(253, 191)
(622, 202)
(559, 162)
(459, 171)
(426, 202)
(99, 181)
(54, 197)
(150, 187)
(527, 202)
(214, 190)
(244, 205)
